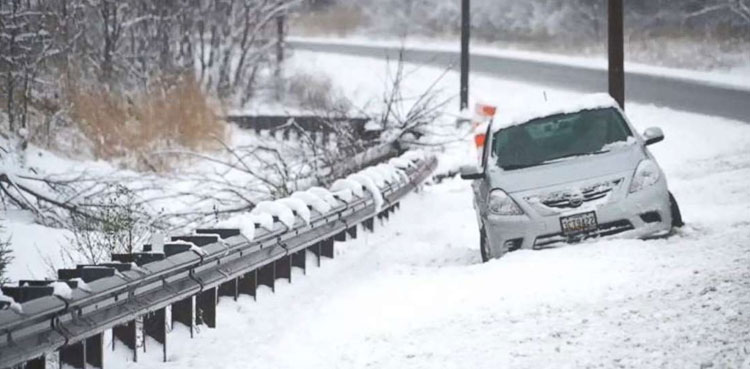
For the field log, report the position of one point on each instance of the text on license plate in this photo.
(579, 223)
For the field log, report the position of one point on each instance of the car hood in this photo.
(566, 171)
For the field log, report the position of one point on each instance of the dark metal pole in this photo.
(279, 54)
(465, 36)
(616, 52)
(279, 43)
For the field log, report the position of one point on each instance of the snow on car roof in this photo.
(588, 102)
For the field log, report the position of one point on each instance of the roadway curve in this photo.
(675, 93)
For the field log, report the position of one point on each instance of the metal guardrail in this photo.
(140, 287)
(315, 126)
(310, 123)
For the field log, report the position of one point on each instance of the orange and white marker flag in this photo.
(483, 116)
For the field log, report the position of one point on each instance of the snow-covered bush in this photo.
(115, 224)
(6, 257)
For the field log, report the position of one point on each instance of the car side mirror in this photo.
(653, 135)
(471, 173)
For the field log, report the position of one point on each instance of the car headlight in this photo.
(501, 204)
(646, 175)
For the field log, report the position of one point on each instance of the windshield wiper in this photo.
(518, 166)
(578, 154)
(550, 161)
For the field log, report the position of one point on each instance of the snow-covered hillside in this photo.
(415, 295)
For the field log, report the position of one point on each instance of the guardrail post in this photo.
(126, 333)
(369, 224)
(205, 304)
(248, 284)
(299, 260)
(352, 231)
(267, 276)
(38, 363)
(183, 312)
(94, 351)
(326, 247)
(155, 326)
(340, 237)
(284, 268)
(74, 355)
(230, 289)
(315, 249)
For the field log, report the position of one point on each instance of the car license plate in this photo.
(579, 223)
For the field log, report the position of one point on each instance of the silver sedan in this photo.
(566, 176)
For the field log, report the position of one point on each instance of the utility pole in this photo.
(465, 36)
(280, 20)
(279, 43)
(616, 52)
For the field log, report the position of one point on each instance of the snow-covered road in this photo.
(414, 294)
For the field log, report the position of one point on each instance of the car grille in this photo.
(604, 230)
(571, 199)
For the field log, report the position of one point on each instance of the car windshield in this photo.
(548, 139)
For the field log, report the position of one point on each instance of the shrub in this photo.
(120, 126)
(122, 224)
(6, 257)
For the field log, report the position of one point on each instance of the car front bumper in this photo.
(630, 215)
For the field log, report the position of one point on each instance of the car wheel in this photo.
(675, 210)
(484, 246)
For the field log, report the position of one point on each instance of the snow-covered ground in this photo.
(411, 296)
(414, 294)
(197, 184)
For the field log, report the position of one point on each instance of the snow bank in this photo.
(282, 212)
(264, 220)
(298, 206)
(367, 182)
(245, 223)
(83, 286)
(193, 247)
(401, 163)
(347, 184)
(344, 195)
(414, 155)
(315, 202)
(12, 304)
(324, 194)
(62, 290)
(198, 250)
(393, 174)
(374, 176)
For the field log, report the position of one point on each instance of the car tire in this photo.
(484, 246)
(675, 210)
